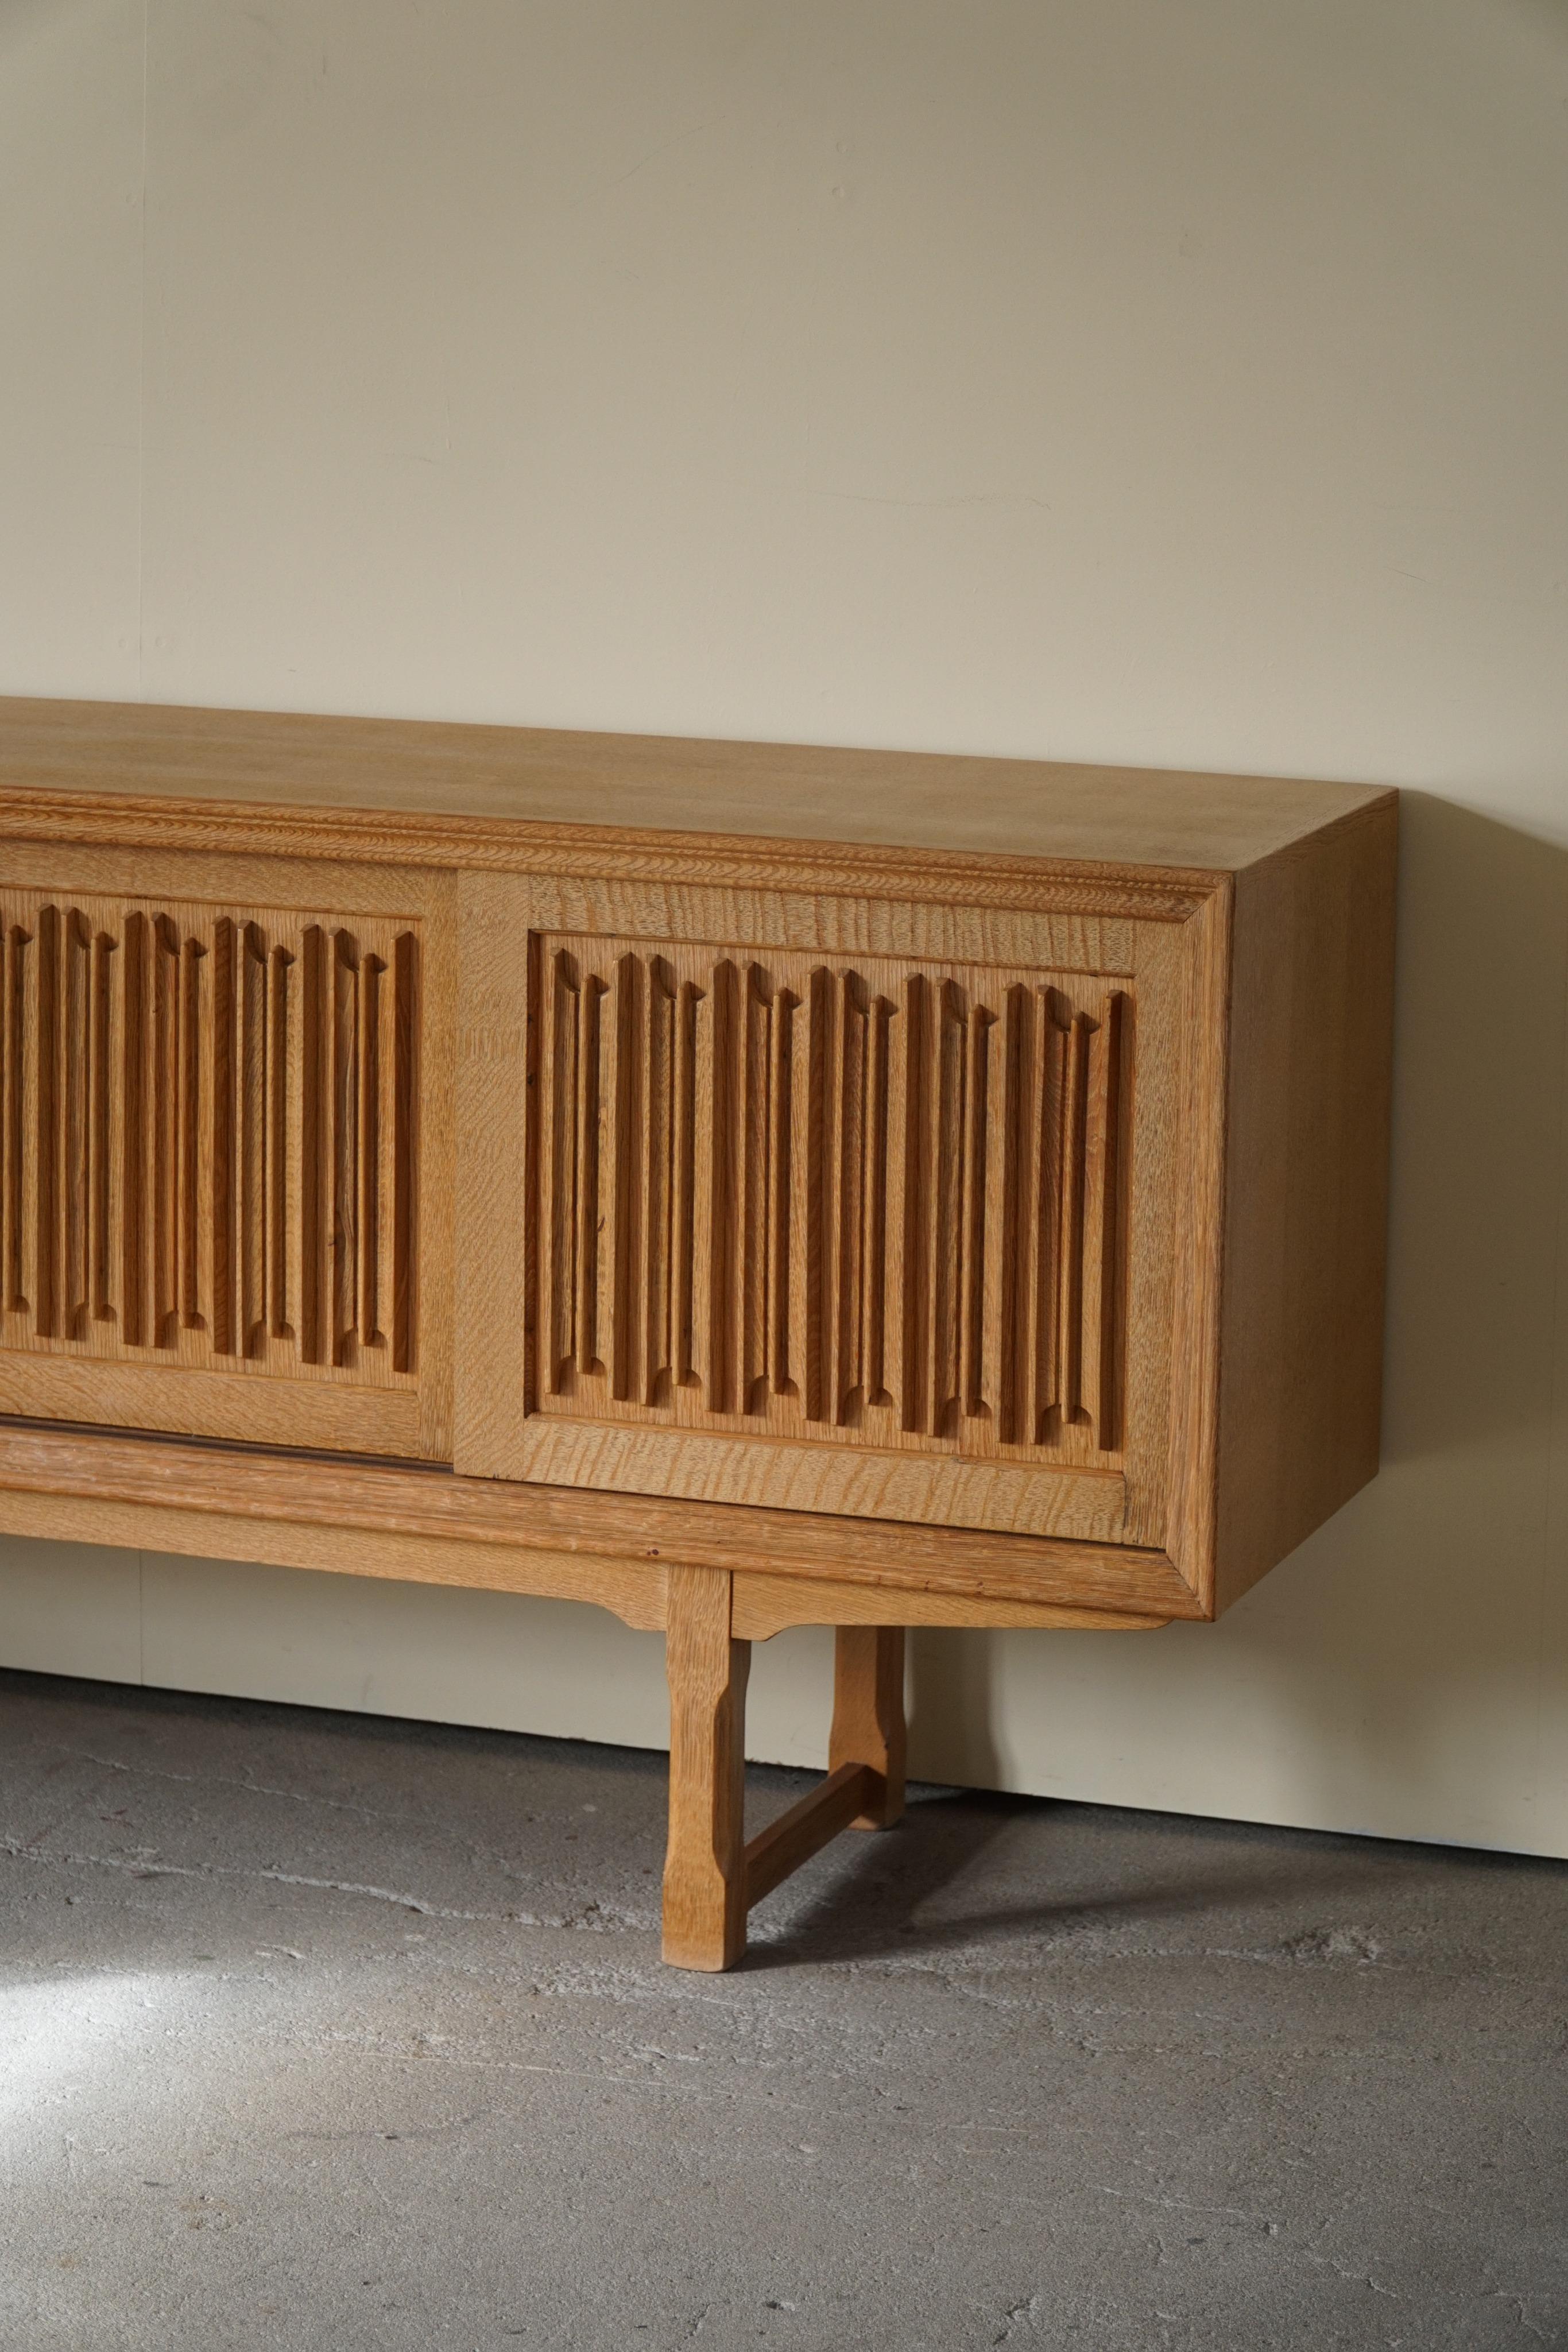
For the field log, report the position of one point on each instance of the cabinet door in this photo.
(849, 1206)
(223, 1166)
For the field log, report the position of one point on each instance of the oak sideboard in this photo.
(740, 1185)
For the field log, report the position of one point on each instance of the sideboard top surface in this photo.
(906, 800)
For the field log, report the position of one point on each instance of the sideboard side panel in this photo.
(1306, 1190)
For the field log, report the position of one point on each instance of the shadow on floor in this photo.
(886, 1896)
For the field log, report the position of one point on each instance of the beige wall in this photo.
(1093, 378)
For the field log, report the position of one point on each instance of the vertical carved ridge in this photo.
(49, 1121)
(805, 1193)
(182, 1141)
(1101, 1381)
(720, 1229)
(251, 1207)
(893, 1290)
(559, 1172)
(18, 1026)
(136, 1082)
(704, 1082)
(283, 1107)
(1054, 1165)
(194, 1213)
(225, 1161)
(76, 1171)
(608, 1096)
(1076, 1107)
(916, 1157)
(818, 1270)
(794, 1376)
(972, 1390)
(758, 1014)
(950, 1175)
(659, 1311)
(875, 1219)
(368, 1324)
(105, 1113)
(345, 1148)
(783, 1221)
(380, 1128)
(408, 1095)
(631, 1365)
(163, 1130)
(1020, 1222)
(683, 1202)
(847, 1234)
(586, 1240)
(315, 1154)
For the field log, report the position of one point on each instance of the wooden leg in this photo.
(705, 1867)
(868, 1716)
(711, 1875)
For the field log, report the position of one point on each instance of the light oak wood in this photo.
(760, 1183)
(712, 1873)
(632, 1591)
(704, 1867)
(247, 1404)
(927, 1567)
(533, 775)
(494, 1243)
(835, 1803)
(858, 1482)
(764, 1605)
(635, 1595)
(776, 1192)
(1189, 1531)
(209, 1141)
(868, 1727)
(1306, 1199)
(653, 1019)
(213, 1156)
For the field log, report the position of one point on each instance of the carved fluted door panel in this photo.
(216, 1157)
(832, 1227)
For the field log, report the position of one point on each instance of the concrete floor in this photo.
(329, 2032)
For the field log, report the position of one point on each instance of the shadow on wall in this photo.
(950, 1694)
(1432, 1612)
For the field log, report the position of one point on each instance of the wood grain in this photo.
(955, 1148)
(517, 778)
(868, 1727)
(704, 1864)
(1189, 1529)
(812, 1822)
(764, 1605)
(632, 1591)
(831, 1203)
(244, 1404)
(837, 1141)
(784, 1225)
(884, 1190)
(754, 914)
(860, 1481)
(1305, 1218)
(932, 1566)
(221, 1098)
(209, 1142)
(493, 1235)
